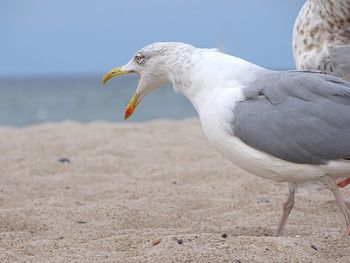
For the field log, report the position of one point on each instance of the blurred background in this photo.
(54, 53)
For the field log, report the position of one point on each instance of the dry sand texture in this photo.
(129, 185)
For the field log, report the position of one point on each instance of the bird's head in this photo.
(153, 64)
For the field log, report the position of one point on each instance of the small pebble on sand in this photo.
(64, 160)
(155, 242)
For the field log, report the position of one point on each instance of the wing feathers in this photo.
(298, 117)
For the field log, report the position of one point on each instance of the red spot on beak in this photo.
(128, 112)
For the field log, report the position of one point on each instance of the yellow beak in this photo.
(115, 72)
(135, 100)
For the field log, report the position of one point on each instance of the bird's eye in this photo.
(139, 59)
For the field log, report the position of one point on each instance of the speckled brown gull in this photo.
(321, 37)
(321, 40)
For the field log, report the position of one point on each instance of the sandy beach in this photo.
(150, 192)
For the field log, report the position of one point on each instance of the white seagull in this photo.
(287, 126)
(321, 40)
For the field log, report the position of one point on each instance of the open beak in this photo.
(135, 100)
(115, 72)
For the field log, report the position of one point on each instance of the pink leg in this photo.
(287, 208)
(344, 182)
(341, 203)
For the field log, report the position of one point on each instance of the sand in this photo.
(106, 192)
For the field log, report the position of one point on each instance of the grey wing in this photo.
(296, 116)
(339, 60)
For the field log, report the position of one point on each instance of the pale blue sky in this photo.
(41, 37)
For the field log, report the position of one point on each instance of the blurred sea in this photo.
(26, 101)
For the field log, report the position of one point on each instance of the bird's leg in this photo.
(287, 207)
(333, 187)
(344, 182)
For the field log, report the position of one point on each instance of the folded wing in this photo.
(301, 117)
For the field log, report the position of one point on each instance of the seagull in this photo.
(287, 126)
(321, 40)
(321, 37)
